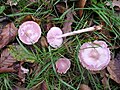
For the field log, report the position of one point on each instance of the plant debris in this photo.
(43, 42)
(63, 24)
(8, 33)
(84, 87)
(114, 3)
(6, 61)
(81, 4)
(68, 22)
(30, 18)
(40, 86)
(114, 69)
(61, 7)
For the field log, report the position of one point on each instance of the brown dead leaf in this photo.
(6, 59)
(43, 42)
(69, 20)
(36, 69)
(104, 80)
(40, 86)
(30, 18)
(81, 4)
(6, 70)
(49, 23)
(84, 87)
(114, 69)
(106, 32)
(61, 7)
(6, 62)
(8, 33)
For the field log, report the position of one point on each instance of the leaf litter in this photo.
(8, 33)
(40, 86)
(68, 22)
(13, 64)
(81, 4)
(6, 59)
(113, 3)
(114, 68)
(84, 87)
(62, 7)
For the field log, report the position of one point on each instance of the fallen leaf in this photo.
(84, 87)
(49, 23)
(81, 4)
(30, 18)
(7, 70)
(6, 62)
(114, 68)
(114, 3)
(104, 80)
(6, 59)
(20, 54)
(7, 34)
(61, 8)
(43, 42)
(106, 32)
(40, 86)
(69, 20)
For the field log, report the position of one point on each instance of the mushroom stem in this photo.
(80, 31)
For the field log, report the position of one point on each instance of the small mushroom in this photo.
(55, 36)
(51, 37)
(29, 32)
(94, 56)
(62, 65)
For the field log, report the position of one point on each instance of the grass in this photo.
(46, 57)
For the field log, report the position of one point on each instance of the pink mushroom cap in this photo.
(29, 32)
(62, 65)
(94, 56)
(51, 37)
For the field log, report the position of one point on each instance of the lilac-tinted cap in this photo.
(29, 32)
(51, 37)
(62, 65)
(94, 56)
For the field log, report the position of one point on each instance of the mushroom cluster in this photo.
(94, 56)
(29, 32)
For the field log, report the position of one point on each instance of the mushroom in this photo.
(62, 65)
(55, 36)
(29, 32)
(51, 37)
(94, 56)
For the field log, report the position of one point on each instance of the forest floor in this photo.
(33, 67)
